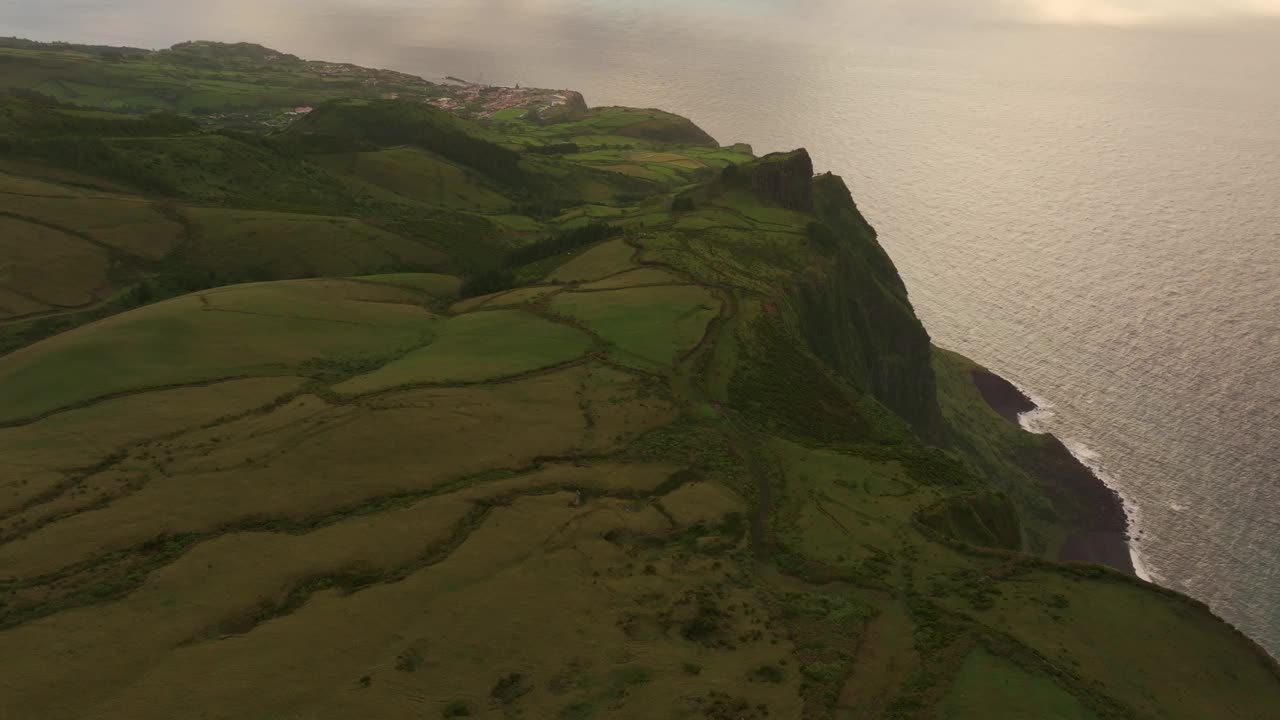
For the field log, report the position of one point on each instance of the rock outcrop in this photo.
(785, 179)
(854, 310)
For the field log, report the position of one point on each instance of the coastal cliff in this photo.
(455, 401)
(856, 316)
(785, 179)
(1093, 512)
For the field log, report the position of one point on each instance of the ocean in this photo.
(1083, 196)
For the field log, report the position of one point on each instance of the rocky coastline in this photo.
(1092, 509)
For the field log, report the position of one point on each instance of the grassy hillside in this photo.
(565, 413)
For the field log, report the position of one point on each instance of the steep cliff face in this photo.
(574, 101)
(785, 179)
(855, 313)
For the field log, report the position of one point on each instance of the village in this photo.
(490, 101)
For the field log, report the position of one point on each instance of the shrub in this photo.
(457, 708)
(561, 242)
(489, 281)
(828, 673)
(409, 660)
(768, 673)
(510, 688)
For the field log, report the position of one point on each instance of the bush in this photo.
(559, 243)
(555, 149)
(409, 660)
(489, 281)
(510, 688)
(768, 673)
(457, 708)
(827, 673)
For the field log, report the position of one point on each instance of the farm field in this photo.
(476, 347)
(649, 327)
(290, 245)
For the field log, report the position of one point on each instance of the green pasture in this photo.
(49, 267)
(992, 688)
(476, 347)
(284, 245)
(261, 329)
(434, 284)
(421, 176)
(520, 296)
(835, 507)
(631, 278)
(607, 258)
(646, 327)
(1129, 640)
(128, 224)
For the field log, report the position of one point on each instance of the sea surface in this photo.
(1083, 198)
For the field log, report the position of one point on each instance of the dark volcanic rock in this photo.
(1003, 396)
(1094, 512)
(785, 179)
(854, 309)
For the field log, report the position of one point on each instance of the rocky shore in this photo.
(1094, 511)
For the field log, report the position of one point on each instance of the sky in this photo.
(1121, 12)
(344, 28)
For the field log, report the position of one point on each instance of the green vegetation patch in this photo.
(47, 267)
(420, 175)
(476, 347)
(130, 224)
(633, 278)
(1127, 641)
(288, 245)
(607, 258)
(992, 688)
(520, 296)
(436, 284)
(517, 223)
(264, 329)
(842, 510)
(648, 327)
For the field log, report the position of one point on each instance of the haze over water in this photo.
(1083, 195)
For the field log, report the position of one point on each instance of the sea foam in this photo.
(1036, 421)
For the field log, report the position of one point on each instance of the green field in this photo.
(48, 268)
(285, 245)
(641, 276)
(476, 347)
(646, 327)
(991, 687)
(433, 284)
(608, 258)
(420, 176)
(233, 332)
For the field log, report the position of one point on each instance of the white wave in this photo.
(1133, 515)
(1036, 421)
